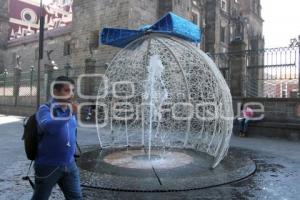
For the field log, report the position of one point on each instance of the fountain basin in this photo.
(129, 169)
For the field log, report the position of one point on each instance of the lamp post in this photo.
(41, 49)
(298, 44)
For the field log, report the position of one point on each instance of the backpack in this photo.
(31, 137)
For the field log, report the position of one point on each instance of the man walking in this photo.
(55, 163)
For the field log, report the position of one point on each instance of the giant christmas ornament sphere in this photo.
(164, 92)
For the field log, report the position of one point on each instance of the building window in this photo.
(283, 94)
(255, 6)
(222, 34)
(224, 5)
(195, 17)
(234, 12)
(67, 48)
(94, 40)
(29, 16)
(231, 33)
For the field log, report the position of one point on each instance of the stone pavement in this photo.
(277, 176)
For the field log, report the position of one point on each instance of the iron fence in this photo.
(222, 60)
(6, 83)
(19, 87)
(269, 73)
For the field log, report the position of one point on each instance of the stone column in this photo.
(89, 84)
(17, 78)
(164, 7)
(237, 65)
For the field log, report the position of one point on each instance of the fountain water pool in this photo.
(138, 159)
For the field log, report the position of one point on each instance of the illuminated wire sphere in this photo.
(165, 92)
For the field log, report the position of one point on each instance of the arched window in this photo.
(223, 34)
(195, 17)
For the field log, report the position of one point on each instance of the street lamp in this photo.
(54, 65)
(41, 49)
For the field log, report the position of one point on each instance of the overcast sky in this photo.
(282, 21)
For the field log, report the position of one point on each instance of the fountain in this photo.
(164, 115)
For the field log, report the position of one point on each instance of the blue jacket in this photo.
(58, 136)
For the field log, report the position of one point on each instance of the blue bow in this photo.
(170, 24)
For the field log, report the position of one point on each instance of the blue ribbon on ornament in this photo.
(170, 24)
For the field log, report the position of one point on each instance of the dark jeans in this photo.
(67, 177)
(244, 125)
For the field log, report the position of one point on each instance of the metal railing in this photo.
(269, 73)
(20, 89)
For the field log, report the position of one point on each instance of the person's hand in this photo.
(75, 108)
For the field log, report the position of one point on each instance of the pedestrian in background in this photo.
(245, 119)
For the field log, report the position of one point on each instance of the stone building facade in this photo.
(27, 48)
(126, 13)
(77, 44)
(229, 20)
(4, 26)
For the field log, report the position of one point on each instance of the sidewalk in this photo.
(277, 177)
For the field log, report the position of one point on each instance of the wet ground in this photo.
(277, 175)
